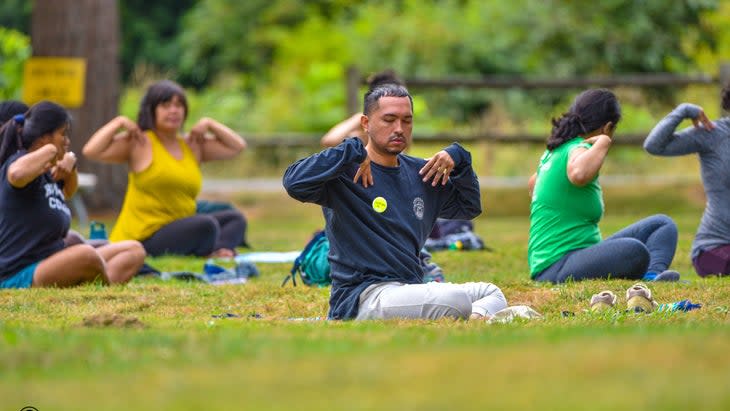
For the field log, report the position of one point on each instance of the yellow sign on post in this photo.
(59, 79)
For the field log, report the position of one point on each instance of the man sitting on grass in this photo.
(377, 227)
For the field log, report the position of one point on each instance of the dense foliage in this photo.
(292, 57)
(15, 14)
(285, 60)
(149, 35)
(14, 50)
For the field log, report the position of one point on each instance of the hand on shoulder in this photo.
(128, 129)
(701, 121)
(65, 167)
(601, 137)
(199, 130)
(438, 168)
(364, 172)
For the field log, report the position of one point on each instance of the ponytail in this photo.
(591, 110)
(10, 137)
(565, 128)
(25, 129)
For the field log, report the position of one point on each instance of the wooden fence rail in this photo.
(311, 141)
(355, 79)
(279, 143)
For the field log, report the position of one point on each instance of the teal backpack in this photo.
(312, 264)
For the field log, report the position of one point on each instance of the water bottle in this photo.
(97, 231)
(456, 245)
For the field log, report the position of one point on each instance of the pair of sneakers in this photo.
(638, 299)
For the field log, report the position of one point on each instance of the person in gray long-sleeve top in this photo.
(711, 142)
(380, 205)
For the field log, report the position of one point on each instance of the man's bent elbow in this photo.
(299, 192)
(473, 211)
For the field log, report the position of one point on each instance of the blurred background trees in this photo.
(14, 50)
(266, 66)
(278, 65)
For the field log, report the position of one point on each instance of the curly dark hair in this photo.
(725, 97)
(591, 110)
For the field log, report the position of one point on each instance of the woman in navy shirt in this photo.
(34, 217)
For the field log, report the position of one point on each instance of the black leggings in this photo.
(198, 235)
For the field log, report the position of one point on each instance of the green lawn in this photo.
(165, 350)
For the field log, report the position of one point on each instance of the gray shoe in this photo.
(667, 275)
(639, 299)
(605, 300)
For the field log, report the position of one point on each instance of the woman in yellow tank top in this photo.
(165, 178)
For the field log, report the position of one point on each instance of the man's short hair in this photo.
(386, 90)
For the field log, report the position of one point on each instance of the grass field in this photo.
(156, 345)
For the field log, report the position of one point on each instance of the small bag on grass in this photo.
(312, 264)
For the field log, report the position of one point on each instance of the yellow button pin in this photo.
(380, 204)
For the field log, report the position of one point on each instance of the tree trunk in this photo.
(87, 29)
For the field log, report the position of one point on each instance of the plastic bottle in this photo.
(456, 245)
(97, 231)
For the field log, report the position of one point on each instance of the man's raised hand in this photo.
(437, 168)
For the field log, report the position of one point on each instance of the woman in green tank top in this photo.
(567, 204)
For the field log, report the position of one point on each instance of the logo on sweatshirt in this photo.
(380, 204)
(418, 207)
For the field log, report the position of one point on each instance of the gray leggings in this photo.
(645, 246)
(430, 301)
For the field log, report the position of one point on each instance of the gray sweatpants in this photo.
(429, 301)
